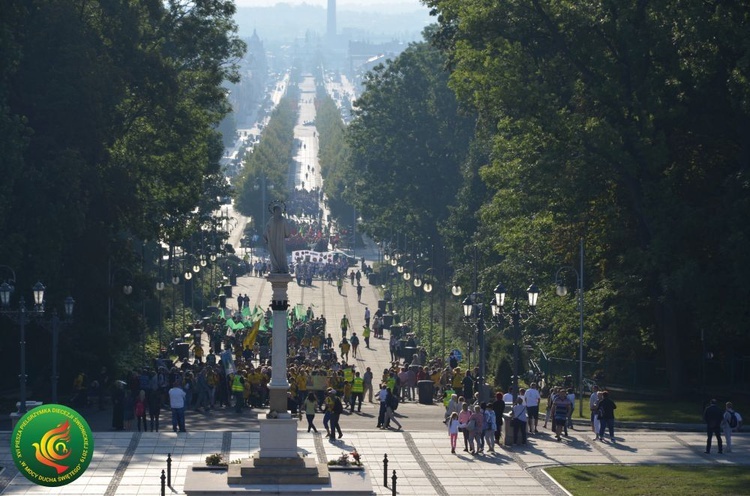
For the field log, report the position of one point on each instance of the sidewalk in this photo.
(130, 463)
(127, 463)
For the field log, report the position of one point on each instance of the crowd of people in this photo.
(324, 379)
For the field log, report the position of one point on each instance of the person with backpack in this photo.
(391, 404)
(337, 410)
(713, 417)
(490, 426)
(730, 423)
(606, 416)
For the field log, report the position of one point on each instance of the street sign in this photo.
(457, 354)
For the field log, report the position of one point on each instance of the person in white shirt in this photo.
(177, 404)
(532, 399)
(593, 400)
(730, 416)
(382, 395)
(518, 412)
(508, 398)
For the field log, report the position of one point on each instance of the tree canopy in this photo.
(109, 113)
(624, 123)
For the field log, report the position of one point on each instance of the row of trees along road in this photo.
(622, 123)
(108, 116)
(271, 159)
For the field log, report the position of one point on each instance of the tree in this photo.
(624, 123)
(111, 111)
(408, 139)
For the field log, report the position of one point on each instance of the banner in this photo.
(252, 335)
(228, 362)
(316, 256)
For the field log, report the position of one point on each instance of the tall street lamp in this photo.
(175, 281)
(127, 289)
(22, 316)
(428, 286)
(474, 308)
(562, 290)
(55, 325)
(159, 290)
(516, 318)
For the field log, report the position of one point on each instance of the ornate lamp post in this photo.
(516, 318)
(127, 289)
(22, 316)
(562, 290)
(427, 286)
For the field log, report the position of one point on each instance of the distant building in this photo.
(364, 56)
(331, 17)
(247, 96)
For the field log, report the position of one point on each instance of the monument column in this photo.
(279, 385)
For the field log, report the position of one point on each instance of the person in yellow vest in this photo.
(366, 336)
(391, 382)
(349, 374)
(344, 326)
(358, 392)
(198, 353)
(238, 388)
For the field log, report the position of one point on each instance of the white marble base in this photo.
(278, 438)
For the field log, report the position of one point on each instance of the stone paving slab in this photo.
(422, 460)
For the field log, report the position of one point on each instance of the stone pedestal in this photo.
(286, 471)
(278, 437)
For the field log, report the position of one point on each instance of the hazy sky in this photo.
(340, 3)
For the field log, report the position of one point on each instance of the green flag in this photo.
(245, 311)
(221, 313)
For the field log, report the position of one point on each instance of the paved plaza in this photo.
(131, 463)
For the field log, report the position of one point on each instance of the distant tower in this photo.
(331, 28)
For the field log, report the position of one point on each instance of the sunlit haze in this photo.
(339, 3)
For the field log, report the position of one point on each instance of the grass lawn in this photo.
(662, 480)
(650, 410)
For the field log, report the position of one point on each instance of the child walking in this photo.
(453, 430)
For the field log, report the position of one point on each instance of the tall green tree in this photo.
(111, 111)
(625, 123)
(408, 139)
(269, 163)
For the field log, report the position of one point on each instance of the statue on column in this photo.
(277, 230)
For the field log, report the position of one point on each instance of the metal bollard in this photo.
(385, 470)
(163, 484)
(393, 484)
(169, 469)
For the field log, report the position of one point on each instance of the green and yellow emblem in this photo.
(52, 445)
